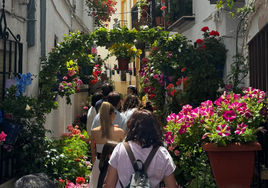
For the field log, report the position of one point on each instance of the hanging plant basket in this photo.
(117, 71)
(123, 64)
(232, 165)
(12, 130)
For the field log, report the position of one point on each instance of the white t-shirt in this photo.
(129, 112)
(161, 165)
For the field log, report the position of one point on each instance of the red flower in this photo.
(170, 86)
(61, 180)
(205, 29)
(163, 7)
(162, 1)
(69, 150)
(203, 46)
(167, 23)
(182, 70)
(77, 160)
(81, 156)
(214, 33)
(199, 41)
(144, 60)
(179, 82)
(80, 180)
(154, 48)
(185, 79)
(173, 92)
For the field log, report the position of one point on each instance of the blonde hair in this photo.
(106, 110)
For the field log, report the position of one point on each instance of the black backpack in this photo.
(139, 179)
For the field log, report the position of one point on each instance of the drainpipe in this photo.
(43, 8)
(31, 24)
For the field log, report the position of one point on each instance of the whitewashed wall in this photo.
(61, 17)
(61, 20)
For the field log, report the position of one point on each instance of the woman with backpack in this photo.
(100, 135)
(143, 147)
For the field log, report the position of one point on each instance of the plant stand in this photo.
(232, 165)
(123, 64)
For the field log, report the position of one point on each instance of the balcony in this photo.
(180, 15)
(119, 23)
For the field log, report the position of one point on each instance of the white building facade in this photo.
(41, 25)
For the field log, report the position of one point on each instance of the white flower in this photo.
(27, 107)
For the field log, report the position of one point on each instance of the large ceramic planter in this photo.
(12, 130)
(232, 165)
(123, 64)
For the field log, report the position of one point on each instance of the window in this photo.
(258, 60)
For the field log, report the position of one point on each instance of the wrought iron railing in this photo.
(11, 53)
(258, 74)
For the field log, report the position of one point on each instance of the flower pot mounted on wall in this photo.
(232, 165)
(123, 64)
(12, 130)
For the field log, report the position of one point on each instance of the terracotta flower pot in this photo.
(159, 21)
(123, 64)
(232, 165)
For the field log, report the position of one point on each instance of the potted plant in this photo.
(101, 10)
(144, 7)
(17, 108)
(125, 53)
(159, 19)
(227, 130)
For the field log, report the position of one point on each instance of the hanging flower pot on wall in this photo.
(232, 165)
(12, 130)
(123, 64)
(117, 71)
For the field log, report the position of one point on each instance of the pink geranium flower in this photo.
(169, 138)
(240, 129)
(172, 117)
(223, 130)
(229, 115)
(2, 136)
(182, 129)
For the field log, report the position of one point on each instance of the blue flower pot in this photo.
(12, 130)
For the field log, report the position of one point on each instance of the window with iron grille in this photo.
(258, 60)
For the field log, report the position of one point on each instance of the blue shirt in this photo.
(99, 103)
(120, 120)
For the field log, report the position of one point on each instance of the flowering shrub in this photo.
(101, 10)
(69, 86)
(16, 106)
(69, 157)
(235, 118)
(124, 51)
(206, 68)
(81, 119)
(80, 183)
(232, 118)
